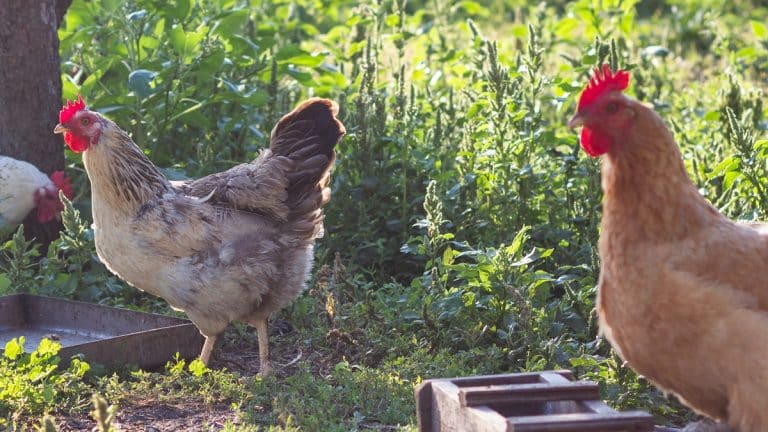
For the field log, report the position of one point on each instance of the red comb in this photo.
(603, 82)
(62, 183)
(68, 110)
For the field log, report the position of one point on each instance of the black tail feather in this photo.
(307, 135)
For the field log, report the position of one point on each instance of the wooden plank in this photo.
(423, 393)
(516, 378)
(555, 377)
(519, 393)
(630, 421)
(597, 407)
(448, 416)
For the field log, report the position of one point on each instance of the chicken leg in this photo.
(205, 354)
(263, 335)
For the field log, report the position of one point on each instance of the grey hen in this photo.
(232, 246)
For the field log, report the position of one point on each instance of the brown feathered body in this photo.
(683, 291)
(235, 245)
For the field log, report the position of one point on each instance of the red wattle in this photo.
(75, 143)
(61, 182)
(593, 142)
(48, 206)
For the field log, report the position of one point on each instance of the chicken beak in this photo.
(575, 121)
(60, 128)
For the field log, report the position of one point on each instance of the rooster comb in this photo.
(70, 109)
(61, 181)
(603, 81)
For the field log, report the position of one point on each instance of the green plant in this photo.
(31, 384)
(103, 413)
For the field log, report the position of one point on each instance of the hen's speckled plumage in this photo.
(235, 245)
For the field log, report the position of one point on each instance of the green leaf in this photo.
(232, 24)
(292, 54)
(192, 108)
(198, 368)
(448, 255)
(759, 144)
(257, 98)
(520, 238)
(178, 39)
(69, 90)
(139, 82)
(729, 178)
(304, 78)
(473, 8)
(728, 164)
(759, 29)
(655, 51)
(5, 284)
(14, 348)
(181, 10)
(210, 65)
(186, 43)
(565, 28)
(49, 393)
(137, 15)
(392, 20)
(48, 347)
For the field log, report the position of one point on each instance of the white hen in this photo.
(24, 188)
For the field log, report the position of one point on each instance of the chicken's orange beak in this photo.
(575, 121)
(60, 128)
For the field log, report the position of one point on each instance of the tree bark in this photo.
(30, 85)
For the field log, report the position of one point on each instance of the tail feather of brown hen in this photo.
(307, 136)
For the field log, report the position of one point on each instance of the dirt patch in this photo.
(162, 416)
(155, 416)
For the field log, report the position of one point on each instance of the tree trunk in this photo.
(30, 83)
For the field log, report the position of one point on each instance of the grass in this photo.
(461, 235)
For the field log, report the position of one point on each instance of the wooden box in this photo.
(526, 402)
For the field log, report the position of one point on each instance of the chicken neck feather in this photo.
(646, 186)
(126, 174)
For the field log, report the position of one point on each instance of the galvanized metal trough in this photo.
(105, 335)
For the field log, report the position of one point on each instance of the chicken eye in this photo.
(85, 122)
(611, 108)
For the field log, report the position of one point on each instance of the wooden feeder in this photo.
(526, 402)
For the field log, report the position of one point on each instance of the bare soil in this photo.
(153, 416)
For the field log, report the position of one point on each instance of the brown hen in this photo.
(683, 291)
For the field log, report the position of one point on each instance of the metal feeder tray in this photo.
(104, 335)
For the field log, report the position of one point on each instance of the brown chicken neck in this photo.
(645, 184)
